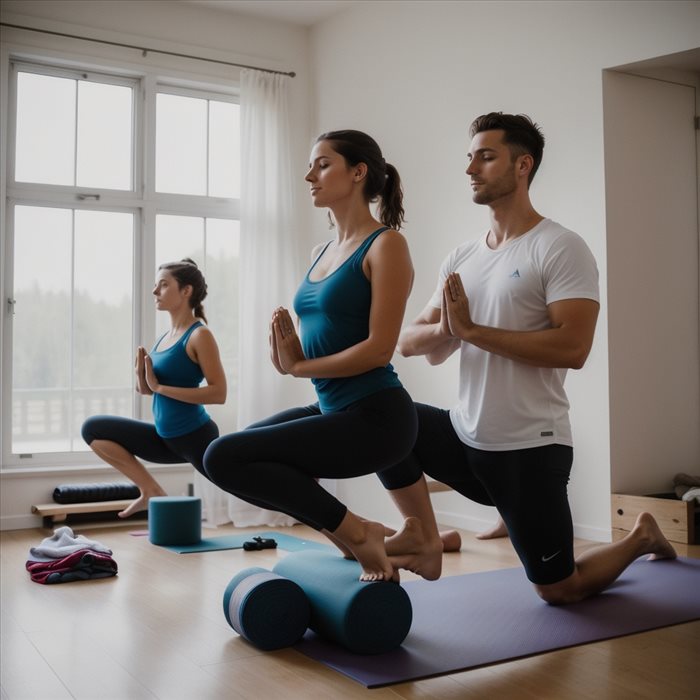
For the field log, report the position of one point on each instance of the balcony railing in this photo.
(49, 420)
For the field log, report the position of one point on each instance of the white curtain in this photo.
(268, 271)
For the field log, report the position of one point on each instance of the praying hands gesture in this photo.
(285, 346)
(142, 386)
(455, 318)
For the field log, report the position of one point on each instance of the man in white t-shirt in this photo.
(520, 303)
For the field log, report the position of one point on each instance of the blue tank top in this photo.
(334, 315)
(173, 367)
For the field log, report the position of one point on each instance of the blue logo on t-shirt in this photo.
(515, 274)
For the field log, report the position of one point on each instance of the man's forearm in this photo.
(551, 347)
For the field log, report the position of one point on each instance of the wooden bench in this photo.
(56, 513)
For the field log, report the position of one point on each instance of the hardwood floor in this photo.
(157, 630)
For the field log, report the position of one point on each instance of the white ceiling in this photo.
(301, 12)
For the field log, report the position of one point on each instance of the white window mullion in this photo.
(75, 136)
(208, 155)
(71, 345)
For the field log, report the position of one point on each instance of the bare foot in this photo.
(451, 539)
(345, 551)
(652, 540)
(141, 503)
(410, 549)
(498, 530)
(369, 551)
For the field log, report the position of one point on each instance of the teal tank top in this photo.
(173, 367)
(334, 315)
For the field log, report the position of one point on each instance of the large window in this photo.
(108, 176)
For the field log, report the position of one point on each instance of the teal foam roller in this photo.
(174, 520)
(365, 618)
(270, 611)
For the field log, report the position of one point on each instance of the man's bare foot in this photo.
(141, 503)
(652, 540)
(498, 530)
(410, 549)
(369, 551)
(451, 539)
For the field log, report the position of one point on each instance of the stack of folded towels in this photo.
(65, 557)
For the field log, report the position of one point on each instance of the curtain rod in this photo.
(145, 50)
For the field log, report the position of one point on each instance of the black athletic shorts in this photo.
(529, 488)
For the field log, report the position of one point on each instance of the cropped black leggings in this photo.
(275, 463)
(141, 440)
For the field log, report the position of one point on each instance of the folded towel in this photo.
(62, 543)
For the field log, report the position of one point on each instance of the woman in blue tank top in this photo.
(172, 374)
(350, 306)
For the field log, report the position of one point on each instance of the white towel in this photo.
(62, 543)
(692, 494)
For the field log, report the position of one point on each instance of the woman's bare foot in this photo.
(141, 503)
(345, 551)
(365, 540)
(651, 539)
(410, 549)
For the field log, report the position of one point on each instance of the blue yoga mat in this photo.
(212, 544)
(462, 622)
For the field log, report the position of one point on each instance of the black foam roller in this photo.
(87, 493)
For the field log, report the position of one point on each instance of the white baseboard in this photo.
(20, 522)
(472, 524)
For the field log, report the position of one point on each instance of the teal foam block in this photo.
(286, 542)
(364, 618)
(174, 520)
(270, 611)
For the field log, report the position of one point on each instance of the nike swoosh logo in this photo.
(550, 557)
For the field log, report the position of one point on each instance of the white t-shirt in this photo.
(504, 404)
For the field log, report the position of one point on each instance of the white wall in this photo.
(414, 75)
(169, 26)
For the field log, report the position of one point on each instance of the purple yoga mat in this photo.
(461, 622)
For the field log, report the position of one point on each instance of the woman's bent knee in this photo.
(216, 461)
(90, 429)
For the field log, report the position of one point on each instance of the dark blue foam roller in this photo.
(365, 618)
(271, 612)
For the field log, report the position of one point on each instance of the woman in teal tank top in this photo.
(172, 374)
(350, 306)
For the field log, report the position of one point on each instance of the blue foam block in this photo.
(174, 520)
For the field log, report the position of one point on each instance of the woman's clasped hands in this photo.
(285, 346)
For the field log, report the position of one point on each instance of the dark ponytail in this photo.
(382, 183)
(391, 211)
(186, 272)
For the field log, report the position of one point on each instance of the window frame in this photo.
(142, 200)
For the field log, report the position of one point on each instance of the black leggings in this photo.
(141, 440)
(529, 488)
(275, 463)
